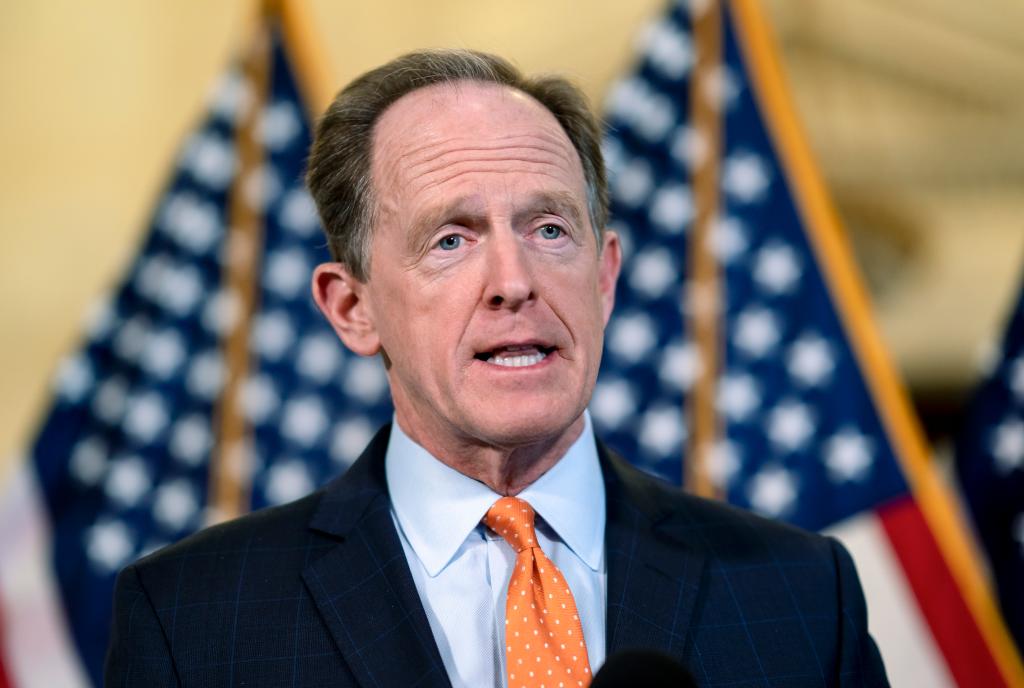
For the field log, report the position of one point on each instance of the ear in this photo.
(608, 275)
(342, 300)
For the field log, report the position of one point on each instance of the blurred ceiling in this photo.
(913, 111)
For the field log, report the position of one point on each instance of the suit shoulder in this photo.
(729, 532)
(278, 536)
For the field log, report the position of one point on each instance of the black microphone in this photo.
(647, 668)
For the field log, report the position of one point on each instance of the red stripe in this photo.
(939, 597)
(5, 682)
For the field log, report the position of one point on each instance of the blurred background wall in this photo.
(913, 109)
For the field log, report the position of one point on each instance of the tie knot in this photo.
(512, 519)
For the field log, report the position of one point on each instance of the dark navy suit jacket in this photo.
(319, 593)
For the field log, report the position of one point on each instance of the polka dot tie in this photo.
(544, 645)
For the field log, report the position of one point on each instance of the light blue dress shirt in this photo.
(462, 569)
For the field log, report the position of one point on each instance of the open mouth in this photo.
(515, 356)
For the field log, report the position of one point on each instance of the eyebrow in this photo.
(470, 208)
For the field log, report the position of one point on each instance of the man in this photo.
(485, 537)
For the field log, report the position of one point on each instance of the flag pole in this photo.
(231, 463)
(702, 297)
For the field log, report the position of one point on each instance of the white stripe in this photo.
(911, 656)
(37, 647)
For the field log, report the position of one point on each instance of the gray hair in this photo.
(339, 163)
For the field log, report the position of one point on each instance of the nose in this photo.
(509, 283)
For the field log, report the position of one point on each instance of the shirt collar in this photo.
(437, 507)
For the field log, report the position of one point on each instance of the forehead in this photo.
(469, 127)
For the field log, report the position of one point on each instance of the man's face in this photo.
(487, 290)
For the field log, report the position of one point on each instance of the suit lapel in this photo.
(654, 575)
(363, 588)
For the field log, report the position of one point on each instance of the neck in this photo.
(506, 469)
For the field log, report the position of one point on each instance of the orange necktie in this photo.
(544, 646)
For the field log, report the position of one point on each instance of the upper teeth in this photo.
(517, 361)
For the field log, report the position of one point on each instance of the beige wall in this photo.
(97, 96)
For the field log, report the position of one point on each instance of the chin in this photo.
(519, 426)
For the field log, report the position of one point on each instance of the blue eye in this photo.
(450, 242)
(551, 232)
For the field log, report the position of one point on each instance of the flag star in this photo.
(689, 146)
(777, 268)
(365, 380)
(210, 159)
(191, 439)
(849, 455)
(632, 336)
(180, 289)
(221, 312)
(163, 353)
(745, 177)
(1008, 445)
(672, 209)
(350, 437)
(127, 481)
(131, 339)
(667, 48)
(74, 378)
(652, 272)
(319, 357)
(634, 182)
(287, 481)
(89, 460)
(109, 402)
(727, 240)
(304, 420)
(722, 462)
(662, 430)
(756, 331)
(1016, 378)
(279, 125)
(646, 110)
(272, 334)
(109, 545)
(206, 374)
(261, 186)
(680, 366)
(810, 361)
(287, 272)
(613, 402)
(259, 398)
(146, 417)
(790, 425)
(772, 491)
(191, 221)
(175, 504)
(737, 396)
(232, 97)
(721, 88)
(298, 213)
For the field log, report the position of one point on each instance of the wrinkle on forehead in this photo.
(415, 138)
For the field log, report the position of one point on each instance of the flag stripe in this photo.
(970, 659)
(40, 653)
(852, 306)
(895, 619)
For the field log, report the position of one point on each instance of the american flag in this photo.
(990, 465)
(138, 449)
(742, 360)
